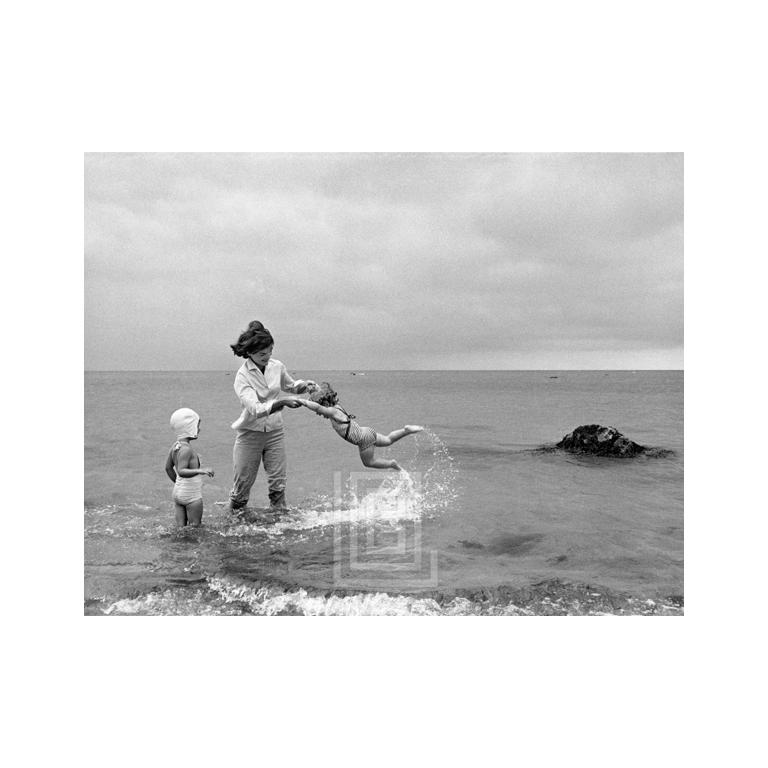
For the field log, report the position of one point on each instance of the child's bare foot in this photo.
(395, 465)
(411, 428)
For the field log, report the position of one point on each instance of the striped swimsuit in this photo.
(352, 432)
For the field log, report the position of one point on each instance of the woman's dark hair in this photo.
(255, 338)
(324, 395)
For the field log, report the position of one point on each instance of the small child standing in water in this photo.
(183, 468)
(324, 402)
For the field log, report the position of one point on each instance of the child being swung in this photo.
(324, 402)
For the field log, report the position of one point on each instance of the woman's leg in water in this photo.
(276, 466)
(195, 513)
(246, 459)
(398, 434)
(369, 460)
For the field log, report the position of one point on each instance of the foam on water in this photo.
(266, 601)
(224, 596)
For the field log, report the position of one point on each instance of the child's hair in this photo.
(255, 338)
(324, 395)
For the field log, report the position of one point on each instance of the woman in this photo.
(260, 426)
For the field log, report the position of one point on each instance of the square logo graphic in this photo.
(377, 534)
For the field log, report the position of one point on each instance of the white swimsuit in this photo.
(187, 489)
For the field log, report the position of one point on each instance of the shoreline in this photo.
(221, 596)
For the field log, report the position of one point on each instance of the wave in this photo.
(227, 597)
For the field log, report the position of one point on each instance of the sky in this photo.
(385, 261)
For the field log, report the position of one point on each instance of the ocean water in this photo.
(481, 522)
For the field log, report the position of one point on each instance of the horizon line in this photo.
(375, 370)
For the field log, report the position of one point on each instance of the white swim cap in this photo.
(185, 422)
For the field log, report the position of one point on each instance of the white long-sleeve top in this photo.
(256, 392)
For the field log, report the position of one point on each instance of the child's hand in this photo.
(208, 471)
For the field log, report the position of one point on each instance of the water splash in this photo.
(366, 499)
(440, 479)
(316, 514)
(398, 497)
(408, 495)
(394, 500)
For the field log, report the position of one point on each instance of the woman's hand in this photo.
(207, 471)
(291, 402)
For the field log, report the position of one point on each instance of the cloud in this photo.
(385, 261)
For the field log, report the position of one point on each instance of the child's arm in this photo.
(322, 410)
(182, 464)
(169, 468)
(285, 402)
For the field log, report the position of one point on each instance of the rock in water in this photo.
(600, 441)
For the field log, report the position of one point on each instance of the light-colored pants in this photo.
(251, 448)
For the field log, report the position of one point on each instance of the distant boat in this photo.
(554, 377)
(355, 373)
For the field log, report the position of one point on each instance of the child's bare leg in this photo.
(369, 460)
(195, 513)
(398, 434)
(180, 512)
